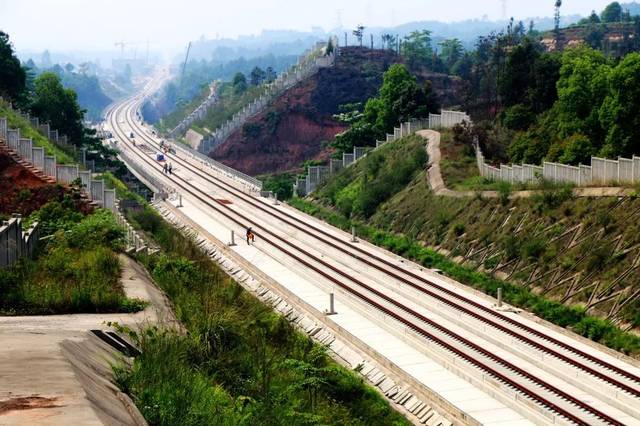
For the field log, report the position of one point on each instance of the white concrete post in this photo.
(179, 200)
(353, 235)
(331, 310)
(499, 297)
(233, 239)
(275, 198)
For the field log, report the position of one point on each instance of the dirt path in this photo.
(438, 186)
(54, 372)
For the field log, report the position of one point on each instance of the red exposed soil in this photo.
(23, 192)
(27, 403)
(297, 126)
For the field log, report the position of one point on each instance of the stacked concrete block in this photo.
(85, 179)
(15, 242)
(3, 128)
(66, 174)
(37, 155)
(97, 191)
(50, 166)
(24, 149)
(13, 136)
(109, 199)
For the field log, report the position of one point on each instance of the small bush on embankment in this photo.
(359, 190)
(77, 271)
(240, 363)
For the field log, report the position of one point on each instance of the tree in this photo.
(519, 73)
(13, 78)
(416, 48)
(399, 98)
(582, 88)
(543, 92)
(591, 19)
(556, 25)
(270, 75)
(257, 76)
(619, 111)
(450, 52)
(69, 67)
(612, 13)
(359, 33)
(59, 106)
(389, 41)
(239, 83)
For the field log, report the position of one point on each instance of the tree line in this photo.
(45, 97)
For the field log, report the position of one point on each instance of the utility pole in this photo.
(371, 41)
(345, 39)
(556, 22)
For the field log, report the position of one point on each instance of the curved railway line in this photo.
(529, 385)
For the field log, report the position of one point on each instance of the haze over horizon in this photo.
(98, 24)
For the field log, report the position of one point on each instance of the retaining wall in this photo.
(602, 171)
(308, 64)
(15, 242)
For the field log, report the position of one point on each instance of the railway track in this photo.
(476, 310)
(524, 382)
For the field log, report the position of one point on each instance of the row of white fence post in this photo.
(318, 174)
(602, 171)
(308, 64)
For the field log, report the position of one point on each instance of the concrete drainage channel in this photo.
(416, 403)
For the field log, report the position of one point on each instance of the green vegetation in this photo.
(399, 98)
(59, 106)
(77, 272)
(232, 98)
(359, 190)
(15, 121)
(559, 257)
(13, 78)
(279, 184)
(573, 317)
(239, 363)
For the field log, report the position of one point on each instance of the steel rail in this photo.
(506, 364)
(575, 363)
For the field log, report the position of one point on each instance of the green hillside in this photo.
(569, 260)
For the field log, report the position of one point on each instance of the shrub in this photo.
(98, 229)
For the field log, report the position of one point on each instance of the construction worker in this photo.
(251, 238)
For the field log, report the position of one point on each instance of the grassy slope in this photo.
(26, 131)
(229, 104)
(170, 121)
(527, 233)
(78, 271)
(240, 362)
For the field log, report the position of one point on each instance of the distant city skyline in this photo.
(99, 24)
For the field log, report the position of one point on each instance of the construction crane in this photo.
(184, 66)
(122, 44)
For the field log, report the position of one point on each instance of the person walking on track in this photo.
(251, 238)
(170, 168)
(164, 169)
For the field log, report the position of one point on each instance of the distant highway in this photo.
(496, 366)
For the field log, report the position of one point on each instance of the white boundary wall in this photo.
(308, 64)
(602, 171)
(15, 242)
(446, 119)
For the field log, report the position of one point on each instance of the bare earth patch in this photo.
(27, 403)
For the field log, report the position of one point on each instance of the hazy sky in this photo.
(98, 24)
